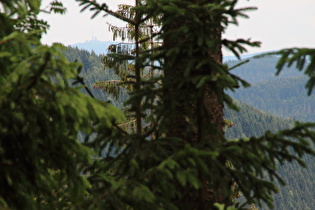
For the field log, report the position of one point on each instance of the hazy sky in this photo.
(277, 24)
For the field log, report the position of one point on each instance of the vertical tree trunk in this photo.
(138, 75)
(195, 116)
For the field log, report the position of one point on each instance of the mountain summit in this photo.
(99, 47)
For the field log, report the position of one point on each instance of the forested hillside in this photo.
(285, 96)
(299, 192)
(262, 69)
(93, 71)
(250, 121)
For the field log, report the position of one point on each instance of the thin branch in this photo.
(80, 79)
(41, 70)
(103, 7)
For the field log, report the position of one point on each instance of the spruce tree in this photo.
(189, 164)
(42, 115)
(186, 164)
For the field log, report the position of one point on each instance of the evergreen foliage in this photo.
(181, 161)
(41, 117)
(286, 97)
(184, 165)
(249, 121)
(298, 193)
(304, 60)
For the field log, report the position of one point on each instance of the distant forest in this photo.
(278, 101)
(284, 95)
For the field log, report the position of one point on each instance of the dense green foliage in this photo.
(176, 168)
(181, 161)
(41, 117)
(249, 121)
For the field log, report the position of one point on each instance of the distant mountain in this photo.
(262, 69)
(243, 57)
(99, 47)
(283, 95)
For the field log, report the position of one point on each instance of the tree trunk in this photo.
(194, 115)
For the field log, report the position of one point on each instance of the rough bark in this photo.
(190, 116)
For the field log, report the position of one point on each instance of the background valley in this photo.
(270, 104)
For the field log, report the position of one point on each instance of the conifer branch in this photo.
(94, 6)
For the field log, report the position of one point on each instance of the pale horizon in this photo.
(277, 24)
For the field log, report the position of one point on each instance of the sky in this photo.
(277, 24)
